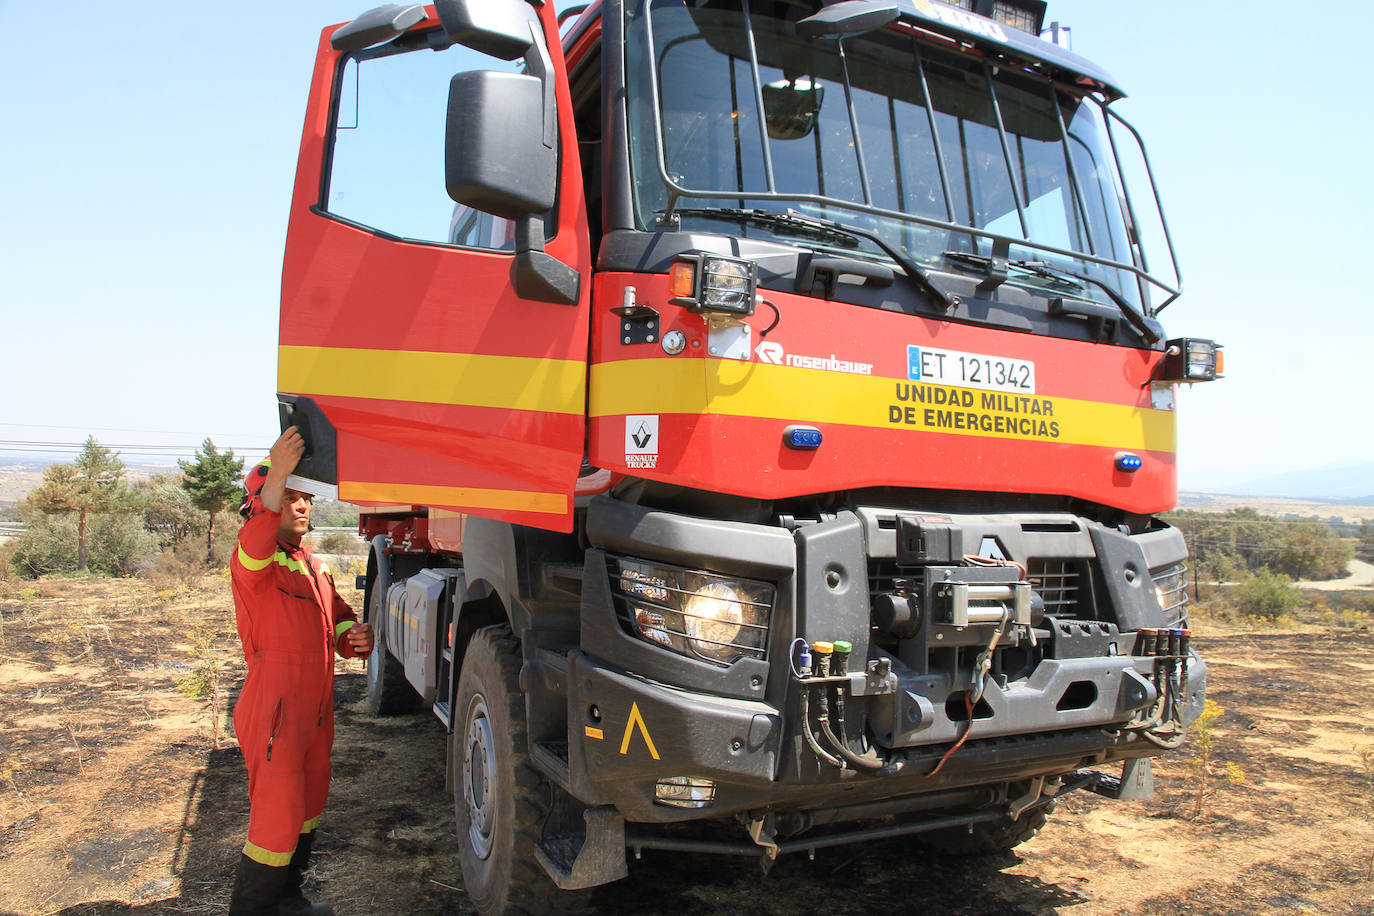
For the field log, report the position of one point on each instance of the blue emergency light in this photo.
(802, 438)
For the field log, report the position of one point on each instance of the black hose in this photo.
(810, 736)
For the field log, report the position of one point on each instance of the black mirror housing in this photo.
(494, 156)
(500, 28)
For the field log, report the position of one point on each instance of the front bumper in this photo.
(639, 713)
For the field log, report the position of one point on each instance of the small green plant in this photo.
(203, 681)
(1204, 765)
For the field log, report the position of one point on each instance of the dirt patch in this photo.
(115, 799)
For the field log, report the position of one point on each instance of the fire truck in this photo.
(761, 413)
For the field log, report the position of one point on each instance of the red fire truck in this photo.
(761, 411)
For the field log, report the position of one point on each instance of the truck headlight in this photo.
(1171, 589)
(693, 612)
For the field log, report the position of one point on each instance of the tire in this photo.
(500, 800)
(388, 691)
(989, 837)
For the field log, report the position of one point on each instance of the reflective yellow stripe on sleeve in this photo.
(343, 627)
(252, 564)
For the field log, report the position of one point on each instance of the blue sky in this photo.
(148, 163)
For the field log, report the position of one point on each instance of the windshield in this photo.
(904, 139)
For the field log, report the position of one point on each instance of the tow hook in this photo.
(984, 662)
(1018, 806)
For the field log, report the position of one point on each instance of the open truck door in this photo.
(433, 345)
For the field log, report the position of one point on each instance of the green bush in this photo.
(117, 545)
(1267, 594)
(120, 545)
(339, 542)
(48, 545)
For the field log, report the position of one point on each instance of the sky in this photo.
(148, 160)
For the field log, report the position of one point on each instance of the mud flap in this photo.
(1137, 782)
(588, 854)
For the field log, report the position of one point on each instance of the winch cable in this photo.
(980, 670)
(968, 727)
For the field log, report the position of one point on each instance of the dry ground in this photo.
(115, 798)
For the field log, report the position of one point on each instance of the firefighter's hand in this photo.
(286, 452)
(359, 637)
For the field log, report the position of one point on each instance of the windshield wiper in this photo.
(827, 230)
(1068, 278)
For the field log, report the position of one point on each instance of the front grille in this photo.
(1057, 583)
(881, 572)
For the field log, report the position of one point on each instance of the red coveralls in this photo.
(291, 621)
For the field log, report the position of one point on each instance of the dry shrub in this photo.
(171, 571)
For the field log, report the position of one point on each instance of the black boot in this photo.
(257, 888)
(293, 902)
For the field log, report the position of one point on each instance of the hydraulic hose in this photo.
(877, 767)
(810, 735)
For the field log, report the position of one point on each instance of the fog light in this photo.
(685, 792)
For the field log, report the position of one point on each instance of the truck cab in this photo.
(761, 411)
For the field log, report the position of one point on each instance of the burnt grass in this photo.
(115, 799)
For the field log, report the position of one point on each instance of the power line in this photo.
(118, 429)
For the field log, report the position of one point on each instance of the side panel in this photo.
(445, 387)
(718, 423)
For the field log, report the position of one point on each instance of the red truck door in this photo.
(401, 320)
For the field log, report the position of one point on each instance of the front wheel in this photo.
(989, 837)
(500, 800)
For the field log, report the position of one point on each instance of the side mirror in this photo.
(790, 107)
(499, 28)
(376, 26)
(494, 157)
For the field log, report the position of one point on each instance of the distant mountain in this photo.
(1352, 482)
(20, 473)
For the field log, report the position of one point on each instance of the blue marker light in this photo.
(802, 437)
(1125, 461)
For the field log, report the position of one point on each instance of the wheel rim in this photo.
(377, 658)
(479, 764)
(374, 663)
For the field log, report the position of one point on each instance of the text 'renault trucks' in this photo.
(761, 409)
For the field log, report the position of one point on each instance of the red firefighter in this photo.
(291, 621)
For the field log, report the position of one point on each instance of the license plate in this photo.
(970, 370)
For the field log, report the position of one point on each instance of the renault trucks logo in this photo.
(772, 353)
(641, 441)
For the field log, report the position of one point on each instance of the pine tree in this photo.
(93, 483)
(212, 481)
